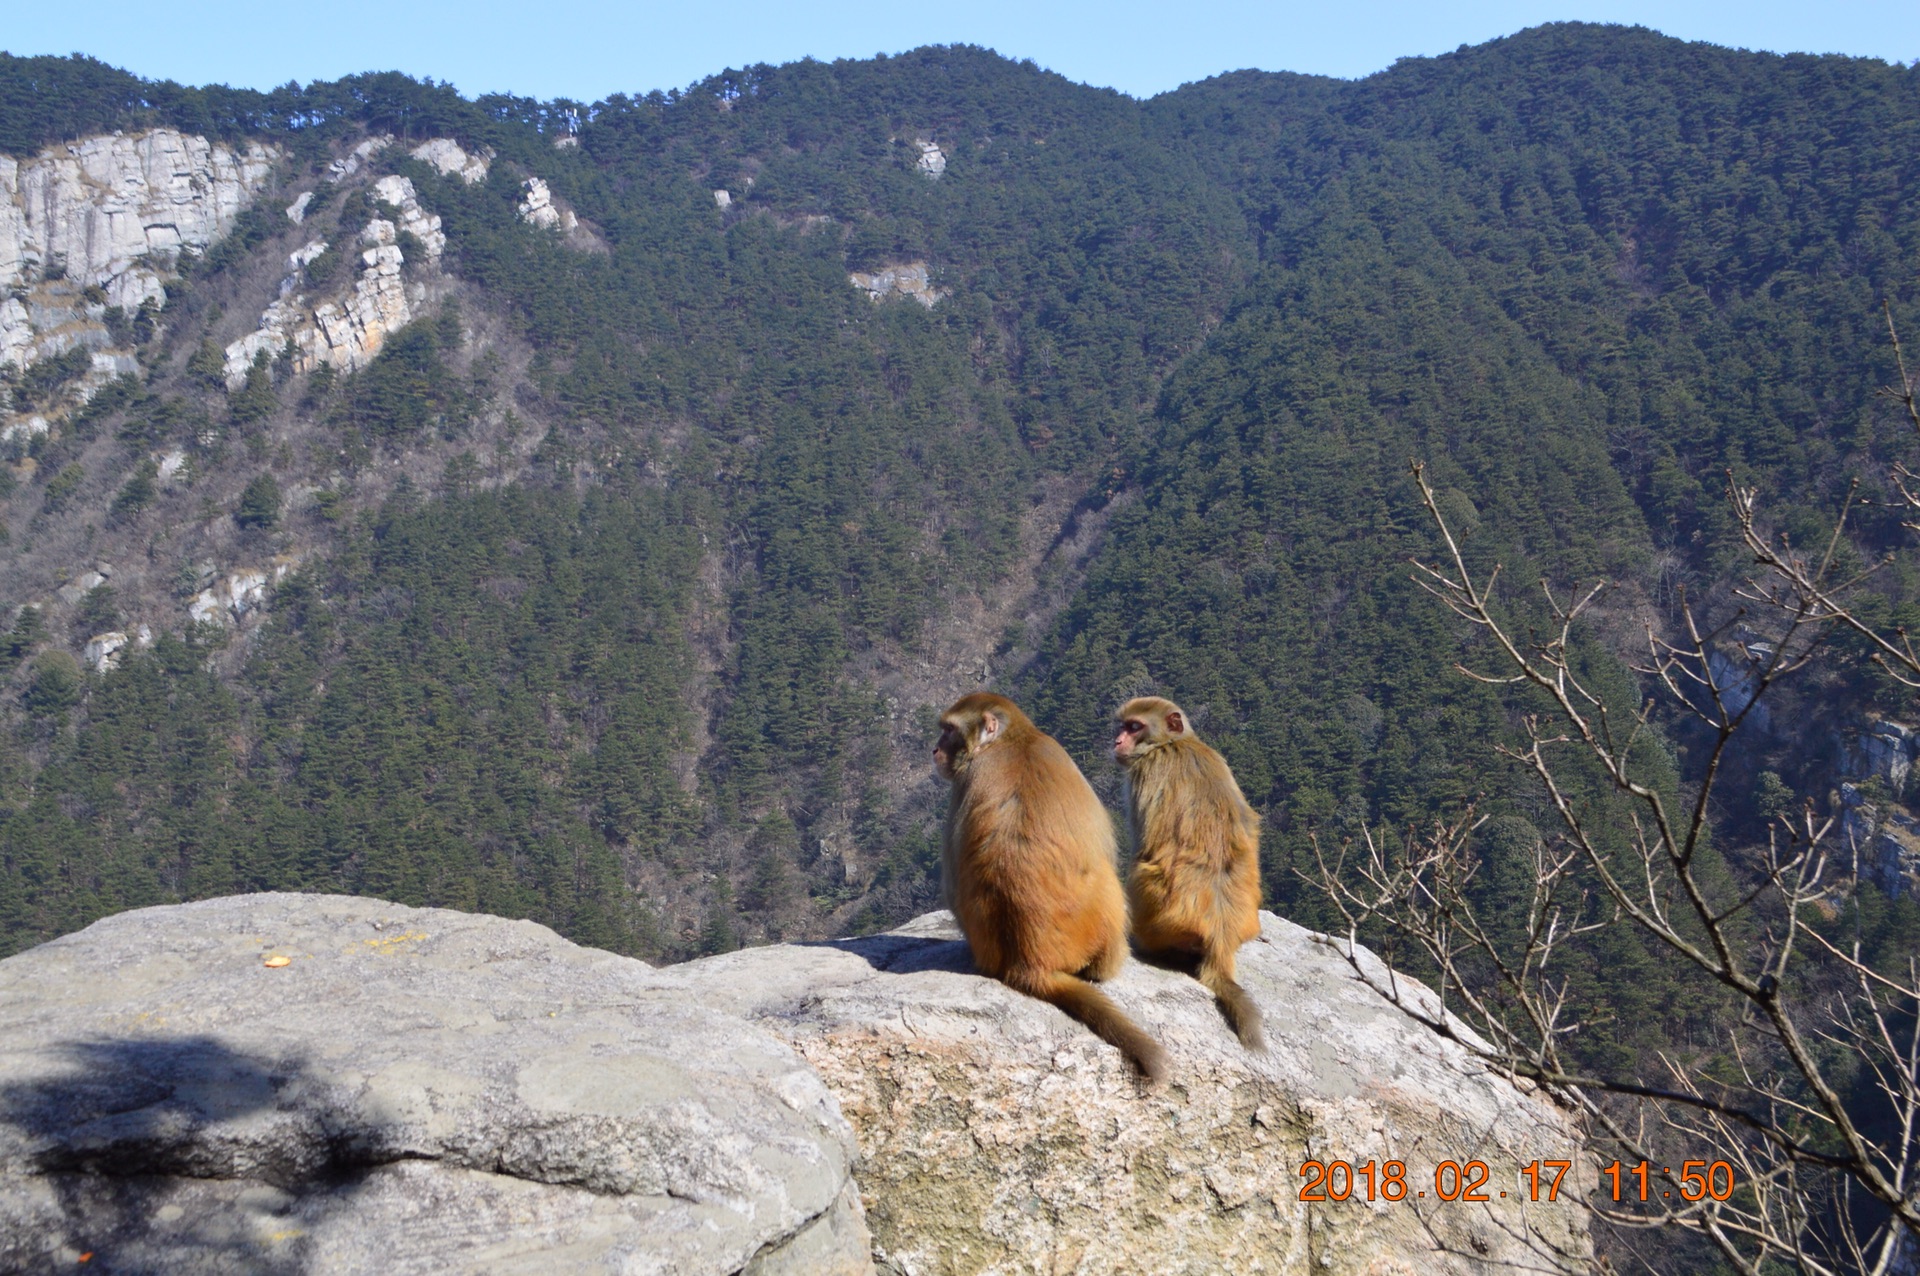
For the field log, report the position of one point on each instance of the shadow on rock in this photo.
(899, 954)
(171, 1154)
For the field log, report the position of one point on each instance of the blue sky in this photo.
(590, 48)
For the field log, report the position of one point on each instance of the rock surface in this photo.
(538, 208)
(116, 212)
(414, 1090)
(231, 597)
(450, 159)
(346, 329)
(999, 1136)
(909, 279)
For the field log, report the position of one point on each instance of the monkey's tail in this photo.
(1093, 1008)
(1242, 1015)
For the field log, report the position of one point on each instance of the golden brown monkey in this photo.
(1195, 887)
(1030, 868)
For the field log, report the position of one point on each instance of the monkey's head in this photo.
(1145, 725)
(972, 723)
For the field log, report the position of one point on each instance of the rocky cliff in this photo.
(101, 222)
(282, 1083)
(346, 328)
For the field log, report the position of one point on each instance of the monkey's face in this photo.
(950, 751)
(962, 735)
(1145, 725)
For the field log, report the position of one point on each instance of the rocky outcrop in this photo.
(1884, 840)
(350, 163)
(932, 161)
(240, 592)
(450, 159)
(346, 329)
(1881, 748)
(909, 279)
(998, 1135)
(312, 1084)
(1736, 672)
(538, 208)
(114, 212)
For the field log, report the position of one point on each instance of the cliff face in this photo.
(284, 1083)
(113, 213)
(347, 329)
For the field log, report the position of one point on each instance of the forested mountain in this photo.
(621, 589)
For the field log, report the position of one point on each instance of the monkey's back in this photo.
(1035, 877)
(1197, 842)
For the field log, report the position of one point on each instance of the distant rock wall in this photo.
(538, 208)
(450, 159)
(113, 212)
(348, 328)
(907, 279)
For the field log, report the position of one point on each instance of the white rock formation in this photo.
(906, 280)
(170, 465)
(350, 164)
(452, 159)
(538, 208)
(347, 330)
(1884, 840)
(1736, 671)
(241, 591)
(282, 1083)
(722, 199)
(933, 160)
(115, 212)
(103, 650)
(79, 587)
(24, 428)
(1882, 748)
(297, 210)
(415, 220)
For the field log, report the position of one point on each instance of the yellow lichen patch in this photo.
(391, 943)
(277, 960)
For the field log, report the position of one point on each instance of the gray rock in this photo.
(415, 1091)
(998, 1135)
(113, 210)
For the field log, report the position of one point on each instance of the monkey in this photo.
(1195, 885)
(1031, 869)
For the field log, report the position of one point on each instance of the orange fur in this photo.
(1030, 868)
(1195, 886)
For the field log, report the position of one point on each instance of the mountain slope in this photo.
(619, 589)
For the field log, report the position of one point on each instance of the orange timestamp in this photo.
(1452, 1181)
(1697, 1181)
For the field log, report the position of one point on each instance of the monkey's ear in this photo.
(1175, 723)
(990, 727)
